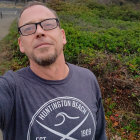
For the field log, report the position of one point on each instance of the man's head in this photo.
(41, 38)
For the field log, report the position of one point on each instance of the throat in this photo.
(51, 73)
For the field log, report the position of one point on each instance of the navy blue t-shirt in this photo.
(32, 108)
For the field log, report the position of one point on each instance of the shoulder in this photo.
(11, 78)
(81, 71)
(8, 76)
(81, 75)
(22, 71)
(7, 81)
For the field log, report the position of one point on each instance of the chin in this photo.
(45, 61)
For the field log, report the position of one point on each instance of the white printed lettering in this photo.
(79, 107)
(86, 132)
(44, 113)
(40, 138)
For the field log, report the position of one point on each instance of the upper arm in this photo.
(6, 101)
(100, 117)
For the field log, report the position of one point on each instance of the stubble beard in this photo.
(45, 61)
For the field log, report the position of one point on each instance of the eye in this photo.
(48, 24)
(28, 28)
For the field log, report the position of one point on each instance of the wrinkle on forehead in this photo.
(38, 12)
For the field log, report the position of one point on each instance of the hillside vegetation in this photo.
(106, 40)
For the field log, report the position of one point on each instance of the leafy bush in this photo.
(12, 42)
(120, 13)
(111, 40)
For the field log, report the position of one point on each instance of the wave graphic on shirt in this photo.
(64, 116)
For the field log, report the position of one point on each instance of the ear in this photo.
(20, 45)
(63, 37)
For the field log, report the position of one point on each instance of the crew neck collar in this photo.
(34, 76)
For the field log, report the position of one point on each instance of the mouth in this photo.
(43, 45)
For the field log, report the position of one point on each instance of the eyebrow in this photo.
(31, 22)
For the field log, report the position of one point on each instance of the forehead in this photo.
(35, 13)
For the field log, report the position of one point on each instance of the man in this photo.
(50, 99)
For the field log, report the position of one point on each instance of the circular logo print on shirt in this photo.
(63, 118)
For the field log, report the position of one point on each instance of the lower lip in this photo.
(44, 46)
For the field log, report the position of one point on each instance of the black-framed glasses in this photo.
(30, 28)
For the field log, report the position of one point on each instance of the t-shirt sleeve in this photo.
(100, 128)
(6, 100)
(100, 133)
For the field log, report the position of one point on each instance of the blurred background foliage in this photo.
(103, 36)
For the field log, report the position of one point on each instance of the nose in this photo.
(39, 32)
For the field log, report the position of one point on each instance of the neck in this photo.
(56, 71)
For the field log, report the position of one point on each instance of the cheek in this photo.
(60, 42)
(27, 43)
(63, 37)
(20, 43)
